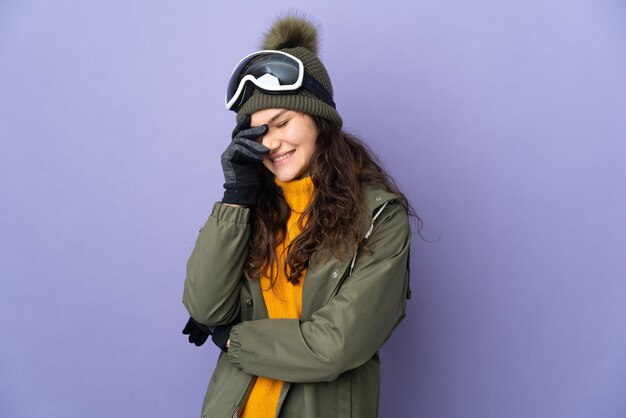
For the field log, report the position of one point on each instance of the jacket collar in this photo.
(376, 195)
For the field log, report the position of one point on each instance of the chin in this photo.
(285, 177)
(287, 173)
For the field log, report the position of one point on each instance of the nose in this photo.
(271, 140)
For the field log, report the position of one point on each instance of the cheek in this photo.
(311, 145)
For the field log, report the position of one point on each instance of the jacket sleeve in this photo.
(214, 270)
(348, 330)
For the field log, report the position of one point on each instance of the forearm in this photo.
(214, 270)
(312, 351)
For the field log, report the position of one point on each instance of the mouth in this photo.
(282, 157)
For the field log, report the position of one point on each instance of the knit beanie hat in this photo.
(298, 37)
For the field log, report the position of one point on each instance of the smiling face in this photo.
(291, 139)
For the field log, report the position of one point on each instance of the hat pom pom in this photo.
(291, 32)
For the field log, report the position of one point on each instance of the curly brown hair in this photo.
(341, 167)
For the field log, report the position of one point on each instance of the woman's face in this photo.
(291, 139)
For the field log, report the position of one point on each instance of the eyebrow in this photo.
(276, 116)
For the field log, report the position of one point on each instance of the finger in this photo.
(189, 327)
(199, 337)
(242, 152)
(241, 125)
(253, 133)
(202, 339)
(253, 146)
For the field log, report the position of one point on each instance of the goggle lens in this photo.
(267, 70)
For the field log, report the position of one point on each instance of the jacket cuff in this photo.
(235, 346)
(231, 214)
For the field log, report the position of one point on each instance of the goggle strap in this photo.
(316, 88)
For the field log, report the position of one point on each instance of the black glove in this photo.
(197, 332)
(241, 164)
(221, 335)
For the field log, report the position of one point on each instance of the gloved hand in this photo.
(221, 335)
(197, 332)
(241, 163)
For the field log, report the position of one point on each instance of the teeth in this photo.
(282, 157)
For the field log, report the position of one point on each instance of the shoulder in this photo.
(378, 198)
(385, 207)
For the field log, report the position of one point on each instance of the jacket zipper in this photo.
(244, 397)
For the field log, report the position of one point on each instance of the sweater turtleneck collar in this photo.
(297, 193)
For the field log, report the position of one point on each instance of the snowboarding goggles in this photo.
(272, 72)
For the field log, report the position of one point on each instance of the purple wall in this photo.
(504, 122)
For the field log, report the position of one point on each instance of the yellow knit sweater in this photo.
(283, 300)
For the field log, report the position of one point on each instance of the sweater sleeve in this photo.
(214, 270)
(348, 330)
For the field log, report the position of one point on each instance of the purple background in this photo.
(504, 122)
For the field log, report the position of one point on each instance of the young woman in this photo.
(302, 270)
